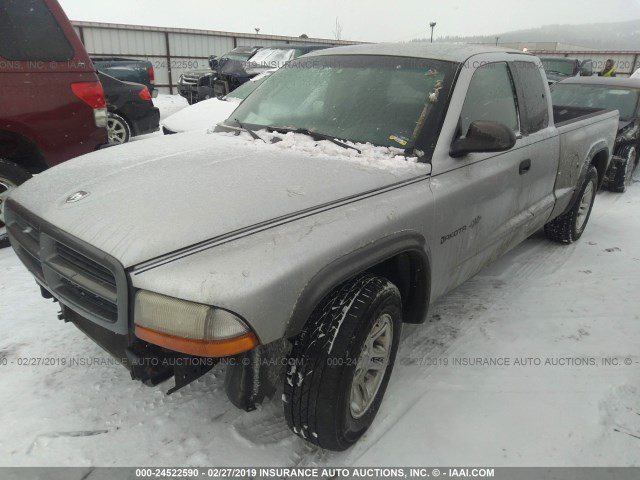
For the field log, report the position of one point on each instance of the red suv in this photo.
(52, 106)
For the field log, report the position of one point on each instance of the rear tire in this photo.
(118, 129)
(568, 228)
(340, 364)
(624, 172)
(11, 177)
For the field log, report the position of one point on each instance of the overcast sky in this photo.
(365, 20)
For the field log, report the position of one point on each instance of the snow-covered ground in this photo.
(541, 301)
(168, 105)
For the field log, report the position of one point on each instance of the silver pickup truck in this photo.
(345, 195)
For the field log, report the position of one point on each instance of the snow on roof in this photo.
(438, 51)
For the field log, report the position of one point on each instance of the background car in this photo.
(232, 75)
(559, 68)
(197, 85)
(131, 110)
(53, 106)
(128, 70)
(620, 94)
(206, 114)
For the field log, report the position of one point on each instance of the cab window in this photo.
(491, 96)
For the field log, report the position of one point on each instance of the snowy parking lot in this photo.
(536, 360)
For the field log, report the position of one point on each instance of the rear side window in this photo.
(491, 96)
(29, 32)
(534, 110)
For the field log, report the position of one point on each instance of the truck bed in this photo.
(564, 115)
(583, 133)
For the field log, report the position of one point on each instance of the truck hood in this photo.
(148, 198)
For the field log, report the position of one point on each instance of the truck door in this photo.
(476, 196)
(540, 140)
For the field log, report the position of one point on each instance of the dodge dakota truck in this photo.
(349, 192)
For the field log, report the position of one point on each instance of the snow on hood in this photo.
(371, 155)
(153, 197)
(200, 116)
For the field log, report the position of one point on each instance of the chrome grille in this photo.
(26, 242)
(96, 303)
(86, 265)
(81, 280)
(190, 79)
(81, 277)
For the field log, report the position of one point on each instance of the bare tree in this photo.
(337, 31)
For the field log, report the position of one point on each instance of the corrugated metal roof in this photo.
(244, 35)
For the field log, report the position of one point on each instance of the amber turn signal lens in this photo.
(200, 348)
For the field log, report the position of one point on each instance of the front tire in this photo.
(624, 172)
(11, 177)
(339, 367)
(118, 129)
(569, 227)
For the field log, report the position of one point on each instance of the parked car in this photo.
(206, 114)
(345, 195)
(52, 104)
(131, 110)
(559, 68)
(197, 85)
(620, 94)
(128, 70)
(231, 76)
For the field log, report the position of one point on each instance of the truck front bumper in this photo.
(188, 91)
(96, 295)
(146, 362)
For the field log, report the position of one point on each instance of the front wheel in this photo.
(624, 171)
(569, 227)
(11, 176)
(118, 129)
(339, 367)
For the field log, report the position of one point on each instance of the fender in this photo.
(363, 259)
(596, 149)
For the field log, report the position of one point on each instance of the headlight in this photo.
(189, 327)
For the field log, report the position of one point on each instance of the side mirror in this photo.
(586, 69)
(484, 136)
(213, 62)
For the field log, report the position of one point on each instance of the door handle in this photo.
(525, 166)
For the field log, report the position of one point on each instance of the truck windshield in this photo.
(382, 100)
(624, 100)
(246, 88)
(559, 66)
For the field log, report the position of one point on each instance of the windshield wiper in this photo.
(314, 135)
(253, 134)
